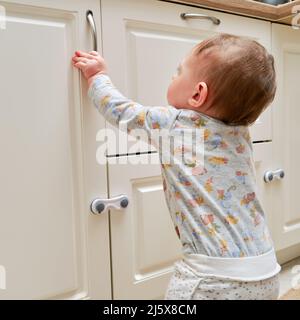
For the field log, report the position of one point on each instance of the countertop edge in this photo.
(248, 8)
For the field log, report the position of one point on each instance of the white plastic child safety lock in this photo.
(99, 206)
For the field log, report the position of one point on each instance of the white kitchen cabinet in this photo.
(144, 41)
(286, 138)
(51, 246)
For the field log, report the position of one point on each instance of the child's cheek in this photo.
(171, 93)
(169, 96)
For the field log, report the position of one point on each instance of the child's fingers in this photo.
(94, 53)
(79, 65)
(80, 59)
(83, 54)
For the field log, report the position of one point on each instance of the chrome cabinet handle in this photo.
(90, 19)
(269, 176)
(200, 16)
(101, 205)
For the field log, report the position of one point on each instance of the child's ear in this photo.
(199, 95)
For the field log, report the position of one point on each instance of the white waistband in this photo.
(251, 268)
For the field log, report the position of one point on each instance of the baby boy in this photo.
(222, 86)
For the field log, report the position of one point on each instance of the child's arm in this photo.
(116, 108)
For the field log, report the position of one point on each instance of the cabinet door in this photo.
(50, 244)
(144, 243)
(144, 41)
(263, 160)
(286, 138)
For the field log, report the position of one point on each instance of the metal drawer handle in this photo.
(200, 16)
(270, 175)
(101, 205)
(90, 19)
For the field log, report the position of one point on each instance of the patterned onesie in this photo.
(214, 204)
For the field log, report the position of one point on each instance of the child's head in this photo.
(227, 77)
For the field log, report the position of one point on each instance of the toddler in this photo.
(222, 86)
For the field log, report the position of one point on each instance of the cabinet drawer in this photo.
(144, 41)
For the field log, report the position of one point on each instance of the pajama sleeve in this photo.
(121, 111)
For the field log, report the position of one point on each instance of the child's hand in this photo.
(91, 64)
